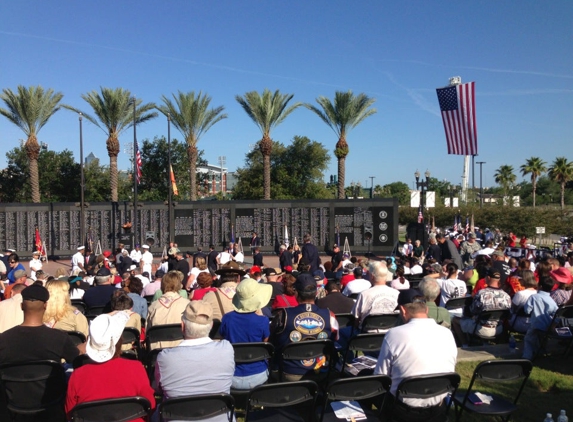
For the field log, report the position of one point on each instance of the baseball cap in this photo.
(407, 296)
(159, 273)
(36, 292)
(198, 312)
(305, 282)
(498, 253)
(103, 272)
(494, 273)
(19, 273)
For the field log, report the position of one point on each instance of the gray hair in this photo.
(379, 271)
(429, 288)
(194, 330)
(102, 279)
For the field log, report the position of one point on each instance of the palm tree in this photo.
(191, 115)
(30, 109)
(561, 171)
(536, 167)
(267, 111)
(114, 113)
(504, 176)
(346, 112)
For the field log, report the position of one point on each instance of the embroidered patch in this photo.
(295, 336)
(307, 362)
(309, 323)
(322, 335)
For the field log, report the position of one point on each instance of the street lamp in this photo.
(423, 186)
(82, 185)
(170, 212)
(480, 184)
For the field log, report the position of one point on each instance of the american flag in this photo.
(420, 214)
(455, 223)
(458, 107)
(138, 164)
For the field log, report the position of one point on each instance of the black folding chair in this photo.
(249, 353)
(116, 410)
(491, 316)
(424, 387)
(369, 389)
(307, 350)
(95, 311)
(196, 408)
(291, 401)
(77, 337)
(214, 334)
(457, 302)
(519, 314)
(493, 371)
(149, 299)
(165, 332)
(80, 305)
(345, 320)
(562, 313)
(81, 360)
(365, 343)
(131, 335)
(34, 389)
(376, 323)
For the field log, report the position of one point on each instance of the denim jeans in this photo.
(250, 381)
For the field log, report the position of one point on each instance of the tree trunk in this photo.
(534, 182)
(265, 147)
(33, 152)
(341, 151)
(562, 195)
(192, 154)
(113, 152)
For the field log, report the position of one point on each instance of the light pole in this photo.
(480, 183)
(82, 183)
(372, 186)
(170, 195)
(222, 162)
(423, 186)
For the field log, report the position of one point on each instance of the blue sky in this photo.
(517, 52)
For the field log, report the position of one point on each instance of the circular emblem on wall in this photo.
(383, 226)
(383, 214)
(309, 323)
(383, 238)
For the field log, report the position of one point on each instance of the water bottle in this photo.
(512, 344)
(562, 417)
(548, 418)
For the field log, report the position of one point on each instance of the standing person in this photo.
(35, 264)
(124, 263)
(89, 261)
(197, 255)
(448, 250)
(247, 324)
(110, 376)
(201, 267)
(136, 255)
(258, 258)
(512, 238)
(296, 254)
(212, 259)
(468, 249)
(78, 260)
(310, 253)
(285, 258)
(146, 260)
(434, 251)
(224, 257)
(182, 265)
(255, 242)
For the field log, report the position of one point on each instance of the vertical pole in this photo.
(480, 183)
(170, 197)
(135, 227)
(82, 185)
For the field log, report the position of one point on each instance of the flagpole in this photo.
(82, 187)
(169, 182)
(135, 229)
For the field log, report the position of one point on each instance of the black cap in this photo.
(494, 273)
(103, 272)
(159, 273)
(408, 295)
(35, 292)
(305, 283)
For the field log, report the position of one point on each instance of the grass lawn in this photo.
(549, 389)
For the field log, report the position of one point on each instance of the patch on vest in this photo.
(295, 336)
(309, 323)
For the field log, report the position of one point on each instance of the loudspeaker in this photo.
(415, 231)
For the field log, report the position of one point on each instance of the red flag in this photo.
(458, 107)
(38, 243)
(138, 164)
(173, 184)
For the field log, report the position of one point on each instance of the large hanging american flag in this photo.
(458, 107)
(138, 164)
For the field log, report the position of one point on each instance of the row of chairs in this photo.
(25, 386)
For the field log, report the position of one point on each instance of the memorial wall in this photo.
(365, 223)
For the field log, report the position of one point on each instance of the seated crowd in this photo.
(228, 304)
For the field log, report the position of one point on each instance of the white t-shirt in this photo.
(451, 288)
(224, 257)
(400, 286)
(135, 255)
(356, 286)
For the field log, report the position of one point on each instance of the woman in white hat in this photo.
(109, 376)
(247, 324)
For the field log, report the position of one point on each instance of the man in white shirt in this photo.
(408, 248)
(146, 260)
(358, 285)
(419, 347)
(78, 261)
(135, 255)
(379, 299)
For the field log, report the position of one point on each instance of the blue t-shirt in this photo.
(246, 328)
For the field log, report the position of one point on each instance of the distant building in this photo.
(90, 158)
(218, 179)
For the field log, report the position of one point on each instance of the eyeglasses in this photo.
(11, 262)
